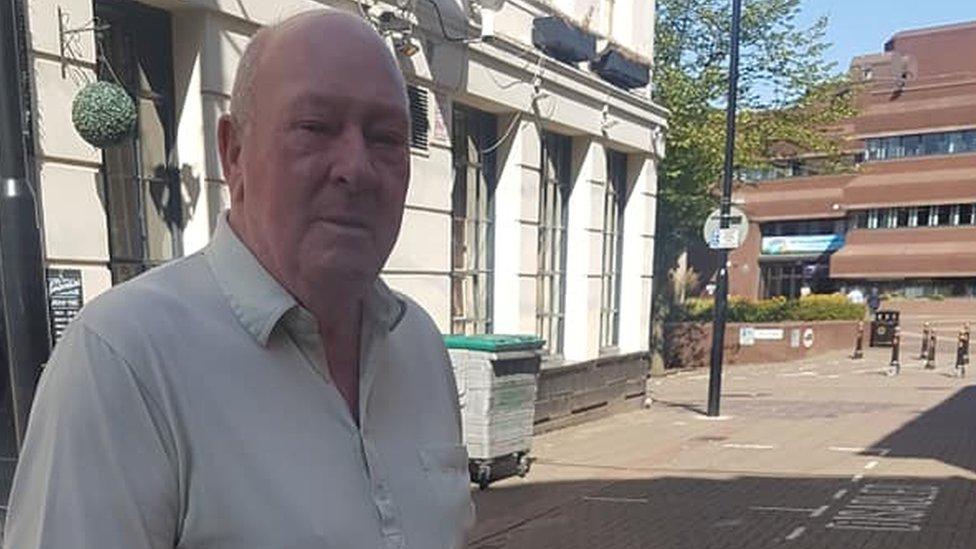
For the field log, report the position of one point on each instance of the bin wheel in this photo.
(484, 476)
(524, 464)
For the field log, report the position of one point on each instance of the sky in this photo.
(863, 26)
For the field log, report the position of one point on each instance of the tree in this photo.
(790, 99)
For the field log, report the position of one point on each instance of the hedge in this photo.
(777, 309)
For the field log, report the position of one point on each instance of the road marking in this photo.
(783, 509)
(869, 371)
(871, 464)
(857, 478)
(840, 493)
(856, 450)
(796, 533)
(887, 507)
(819, 511)
(680, 423)
(748, 446)
(833, 376)
(728, 523)
(800, 374)
(615, 500)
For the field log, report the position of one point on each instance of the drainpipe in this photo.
(25, 338)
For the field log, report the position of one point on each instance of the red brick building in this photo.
(905, 219)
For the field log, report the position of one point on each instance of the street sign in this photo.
(726, 239)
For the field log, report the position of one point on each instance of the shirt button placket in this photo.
(382, 498)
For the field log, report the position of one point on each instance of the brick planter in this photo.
(688, 344)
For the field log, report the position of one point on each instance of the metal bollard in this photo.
(930, 359)
(859, 342)
(924, 353)
(961, 355)
(895, 364)
(965, 331)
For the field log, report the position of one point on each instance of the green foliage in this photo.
(103, 114)
(788, 96)
(777, 309)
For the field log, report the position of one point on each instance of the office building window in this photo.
(554, 188)
(613, 208)
(784, 280)
(966, 212)
(942, 215)
(472, 228)
(887, 148)
(901, 217)
(142, 183)
(922, 216)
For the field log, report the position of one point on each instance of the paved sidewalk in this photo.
(828, 453)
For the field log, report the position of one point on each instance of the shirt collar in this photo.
(260, 302)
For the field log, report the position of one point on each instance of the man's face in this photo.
(324, 161)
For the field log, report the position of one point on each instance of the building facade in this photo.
(904, 219)
(534, 150)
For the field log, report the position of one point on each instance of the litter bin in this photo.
(497, 378)
(883, 328)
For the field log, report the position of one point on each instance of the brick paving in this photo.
(826, 453)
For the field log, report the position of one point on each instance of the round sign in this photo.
(808, 338)
(727, 239)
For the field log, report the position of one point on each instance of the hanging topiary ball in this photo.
(103, 114)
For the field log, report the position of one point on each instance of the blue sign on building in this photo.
(795, 245)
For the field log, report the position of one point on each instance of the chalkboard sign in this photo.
(65, 298)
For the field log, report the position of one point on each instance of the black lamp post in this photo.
(24, 336)
(722, 283)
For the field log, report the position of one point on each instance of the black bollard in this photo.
(961, 355)
(965, 349)
(924, 353)
(859, 342)
(895, 364)
(930, 359)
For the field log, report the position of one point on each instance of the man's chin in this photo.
(342, 275)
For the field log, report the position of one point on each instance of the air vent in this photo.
(418, 117)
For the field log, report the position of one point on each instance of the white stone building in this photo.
(532, 204)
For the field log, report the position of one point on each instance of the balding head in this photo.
(242, 95)
(316, 154)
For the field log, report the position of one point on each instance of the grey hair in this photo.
(242, 94)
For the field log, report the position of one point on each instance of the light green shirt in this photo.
(191, 408)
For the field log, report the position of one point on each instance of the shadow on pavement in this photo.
(741, 512)
(946, 433)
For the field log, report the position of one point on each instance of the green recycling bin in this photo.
(497, 378)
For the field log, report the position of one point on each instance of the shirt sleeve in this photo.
(94, 472)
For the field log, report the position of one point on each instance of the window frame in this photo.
(612, 236)
(555, 184)
(472, 274)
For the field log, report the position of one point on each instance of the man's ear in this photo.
(229, 141)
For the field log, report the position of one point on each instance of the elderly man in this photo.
(269, 391)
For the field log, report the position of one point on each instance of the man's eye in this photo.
(386, 138)
(314, 127)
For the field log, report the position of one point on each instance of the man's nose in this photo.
(351, 160)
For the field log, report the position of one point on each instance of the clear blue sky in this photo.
(863, 26)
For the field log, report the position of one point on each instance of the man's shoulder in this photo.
(413, 315)
(163, 295)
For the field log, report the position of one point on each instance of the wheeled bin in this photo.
(497, 378)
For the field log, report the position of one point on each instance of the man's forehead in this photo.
(319, 100)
